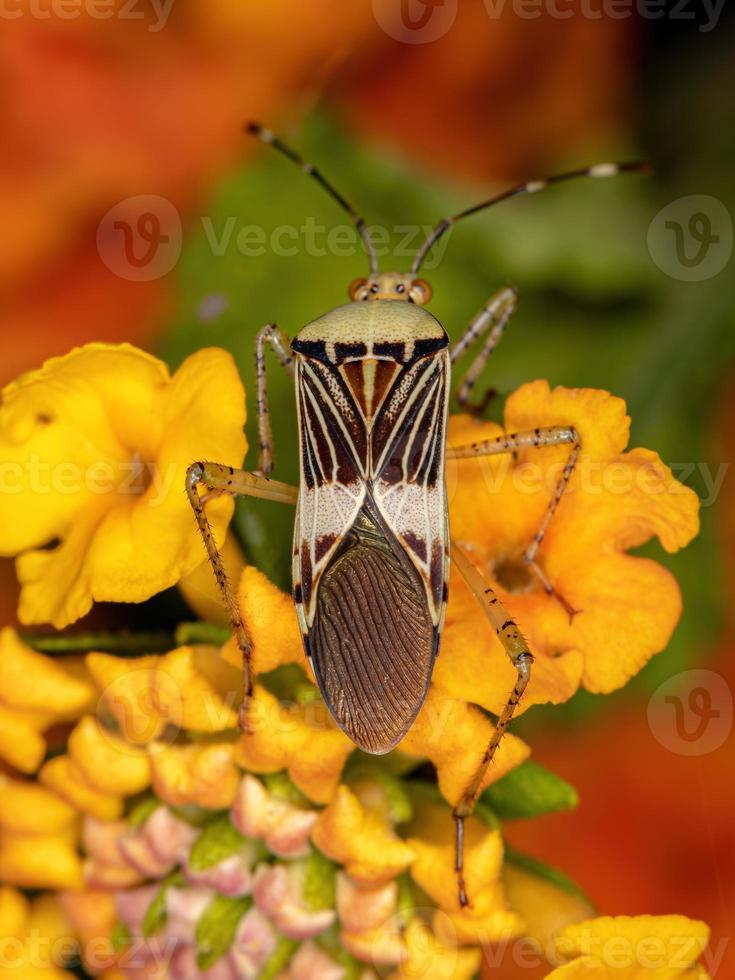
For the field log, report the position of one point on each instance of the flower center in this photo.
(512, 574)
(139, 477)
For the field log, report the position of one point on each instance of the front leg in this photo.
(279, 343)
(216, 479)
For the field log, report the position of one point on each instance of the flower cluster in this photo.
(165, 842)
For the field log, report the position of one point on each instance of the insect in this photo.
(372, 542)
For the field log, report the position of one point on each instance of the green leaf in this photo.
(121, 937)
(529, 790)
(141, 811)
(320, 882)
(280, 958)
(155, 917)
(218, 840)
(281, 785)
(536, 867)
(216, 929)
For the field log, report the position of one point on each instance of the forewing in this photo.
(408, 482)
(332, 487)
(372, 644)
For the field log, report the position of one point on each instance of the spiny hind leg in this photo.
(215, 479)
(492, 318)
(521, 657)
(554, 435)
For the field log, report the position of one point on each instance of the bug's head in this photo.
(391, 285)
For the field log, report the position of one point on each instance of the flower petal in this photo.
(107, 762)
(204, 774)
(272, 622)
(454, 736)
(301, 739)
(62, 775)
(366, 845)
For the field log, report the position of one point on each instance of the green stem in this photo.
(189, 634)
(155, 641)
(131, 643)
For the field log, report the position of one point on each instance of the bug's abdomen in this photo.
(372, 643)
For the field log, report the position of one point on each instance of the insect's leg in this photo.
(555, 435)
(522, 659)
(280, 344)
(493, 317)
(217, 479)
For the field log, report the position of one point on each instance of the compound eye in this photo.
(400, 288)
(374, 288)
(356, 290)
(420, 292)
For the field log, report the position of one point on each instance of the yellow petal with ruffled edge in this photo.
(300, 738)
(431, 959)
(624, 947)
(197, 690)
(544, 908)
(31, 680)
(63, 776)
(204, 775)
(361, 840)
(15, 911)
(50, 935)
(432, 839)
(128, 689)
(616, 500)
(271, 620)
(107, 762)
(453, 735)
(20, 742)
(97, 444)
(29, 808)
(40, 860)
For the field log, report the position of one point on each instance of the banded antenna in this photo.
(266, 136)
(531, 187)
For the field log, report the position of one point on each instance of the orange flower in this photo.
(616, 500)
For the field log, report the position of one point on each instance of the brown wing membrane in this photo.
(372, 644)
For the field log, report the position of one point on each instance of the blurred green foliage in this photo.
(595, 311)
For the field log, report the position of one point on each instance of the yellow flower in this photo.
(362, 840)
(35, 938)
(488, 919)
(39, 833)
(95, 447)
(193, 688)
(300, 739)
(36, 692)
(431, 959)
(204, 775)
(622, 947)
(616, 500)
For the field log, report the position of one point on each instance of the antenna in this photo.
(531, 187)
(266, 136)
